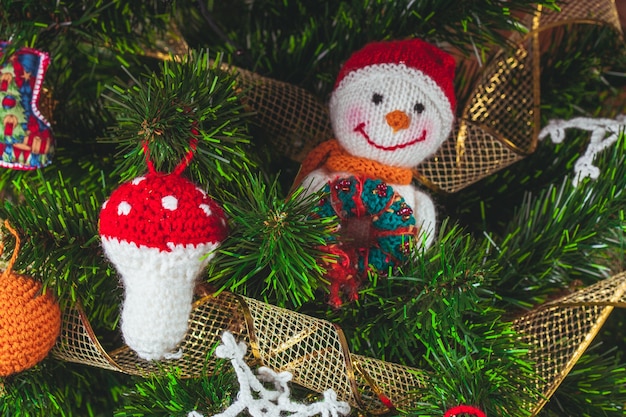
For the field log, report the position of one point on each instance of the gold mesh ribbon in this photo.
(294, 119)
(499, 118)
(500, 122)
(560, 331)
(314, 351)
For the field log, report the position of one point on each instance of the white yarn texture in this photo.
(158, 293)
(401, 88)
(260, 401)
(604, 133)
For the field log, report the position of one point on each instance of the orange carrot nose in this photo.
(398, 120)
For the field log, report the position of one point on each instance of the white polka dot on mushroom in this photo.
(123, 208)
(137, 180)
(206, 209)
(169, 202)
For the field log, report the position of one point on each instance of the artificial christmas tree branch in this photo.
(450, 310)
(189, 98)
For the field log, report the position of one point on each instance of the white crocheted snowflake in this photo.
(260, 401)
(604, 132)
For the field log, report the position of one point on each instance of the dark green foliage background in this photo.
(508, 243)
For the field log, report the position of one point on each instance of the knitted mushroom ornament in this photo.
(160, 231)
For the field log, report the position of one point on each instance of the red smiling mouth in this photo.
(361, 129)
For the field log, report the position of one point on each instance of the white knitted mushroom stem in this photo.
(158, 293)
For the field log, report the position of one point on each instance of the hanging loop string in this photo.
(464, 409)
(184, 163)
(16, 250)
(193, 143)
(146, 152)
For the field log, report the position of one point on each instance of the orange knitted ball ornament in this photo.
(29, 321)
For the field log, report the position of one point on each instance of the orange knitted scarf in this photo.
(334, 158)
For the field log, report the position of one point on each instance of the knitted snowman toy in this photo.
(391, 108)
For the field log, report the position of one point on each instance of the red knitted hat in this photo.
(414, 53)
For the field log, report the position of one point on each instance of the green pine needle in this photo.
(189, 98)
(459, 375)
(595, 387)
(54, 388)
(448, 282)
(556, 234)
(171, 395)
(58, 227)
(273, 250)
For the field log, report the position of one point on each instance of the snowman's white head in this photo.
(394, 102)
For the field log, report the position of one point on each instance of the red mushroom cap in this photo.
(160, 210)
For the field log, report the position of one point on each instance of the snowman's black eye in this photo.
(377, 98)
(418, 108)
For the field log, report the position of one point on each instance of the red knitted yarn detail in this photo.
(342, 274)
(193, 144)
(162, 208)
(29, 323)
(182, 165)
(464, 409)
(414, 53)
(333, 157)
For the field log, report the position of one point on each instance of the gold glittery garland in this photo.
(559, 332)
(500, 122)
(316, 352)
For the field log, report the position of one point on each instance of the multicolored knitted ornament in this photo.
(30, 321)
(377, 231)
(26, 140)
(160, 231)
(392, 106)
